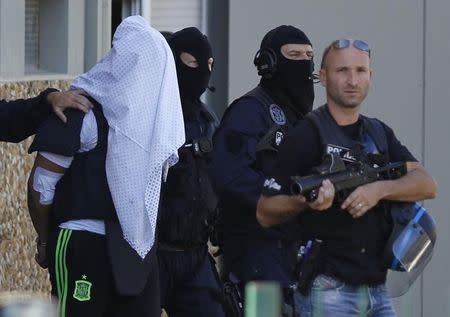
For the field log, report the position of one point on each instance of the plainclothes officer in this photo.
(351, 272)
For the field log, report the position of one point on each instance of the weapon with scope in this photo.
(343, 177)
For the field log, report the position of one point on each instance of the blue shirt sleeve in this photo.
(235, 175)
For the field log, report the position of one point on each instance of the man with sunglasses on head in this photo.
(352, 233)
(245, 149)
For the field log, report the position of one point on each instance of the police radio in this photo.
(200, 146)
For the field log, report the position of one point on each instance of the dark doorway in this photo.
(116, 15)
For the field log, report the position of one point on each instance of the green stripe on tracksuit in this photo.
(61, 271)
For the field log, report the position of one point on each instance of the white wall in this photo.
(437, 154)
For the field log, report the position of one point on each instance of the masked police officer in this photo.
(187, 272)
(349, 271)
(245, 148)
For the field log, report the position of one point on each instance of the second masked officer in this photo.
(245, 148)
(188, 275)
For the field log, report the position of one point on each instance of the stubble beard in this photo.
(347, 103)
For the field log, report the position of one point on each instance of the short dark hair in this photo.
(326, 51)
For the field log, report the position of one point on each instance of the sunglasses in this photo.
(359, 44)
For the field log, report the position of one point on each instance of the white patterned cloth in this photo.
(136, 85)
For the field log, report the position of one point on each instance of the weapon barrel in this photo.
(308, 186)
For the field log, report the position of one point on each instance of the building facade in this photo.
(42, 40)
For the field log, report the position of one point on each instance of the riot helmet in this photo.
(410, 245)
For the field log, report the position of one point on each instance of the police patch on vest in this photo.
(278, 137)
(82, 290)
(343, 152)
(277, 114)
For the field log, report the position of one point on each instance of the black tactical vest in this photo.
(352, 247)
(188, 201)
(279, 123)
(372, 134)
(272, 139)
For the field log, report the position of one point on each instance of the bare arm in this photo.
(40, 213)
(416, 185)
(277, 209)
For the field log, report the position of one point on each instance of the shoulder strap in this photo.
(211, 118)
(376, 130)
(317, 117)
(257, 93)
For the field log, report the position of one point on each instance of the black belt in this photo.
(272, 243)
(178, 247)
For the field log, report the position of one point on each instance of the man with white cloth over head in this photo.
(95, 186)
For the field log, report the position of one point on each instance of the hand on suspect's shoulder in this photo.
(61, 100)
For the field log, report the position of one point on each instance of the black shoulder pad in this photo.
(209, 114)
(314, 118)
(57, 137)
(259, 94)
(376, 130)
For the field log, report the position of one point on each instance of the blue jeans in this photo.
(332, 298)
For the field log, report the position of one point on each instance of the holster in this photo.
(233, 302)
(308, 265)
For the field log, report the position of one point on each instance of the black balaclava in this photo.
(292, 82)
(192, 82)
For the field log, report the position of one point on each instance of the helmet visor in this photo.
(412, 251)
(412, 246)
